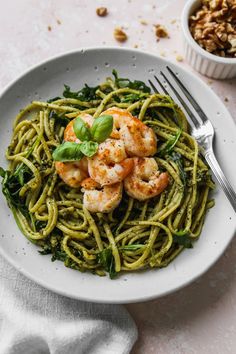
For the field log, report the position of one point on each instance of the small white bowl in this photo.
(202, 61)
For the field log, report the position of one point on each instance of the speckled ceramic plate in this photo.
(91, 66)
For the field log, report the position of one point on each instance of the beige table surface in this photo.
(201, 318)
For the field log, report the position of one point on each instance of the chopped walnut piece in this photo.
(102, 11)
(160, 31)
(120, 35)
(232, 41)
(213, 26)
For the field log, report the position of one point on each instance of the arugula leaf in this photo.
(106, 259)
(85, 94)
(59, 255)
(102, 128)
(176, 157)
(39, 225)
(67, 151)
(12, 184)
(60, 120)
(53, 246)
(2, 172)
(89, 148)
(46, 250)
(170, 144)
(182, 238)
(135, 85)
(81, 130)
(53, 99)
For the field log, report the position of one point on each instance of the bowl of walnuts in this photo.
(209, 29)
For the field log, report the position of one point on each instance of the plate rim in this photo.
(105, 300)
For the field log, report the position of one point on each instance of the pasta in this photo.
(136, 235)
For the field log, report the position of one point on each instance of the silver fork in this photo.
(202, 129)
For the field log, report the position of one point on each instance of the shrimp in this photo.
(110, 165)
(72, 173)
(145, 181)
(98, 199)
(120, 117)
(69, 134)
(90, 184)
(139, 139)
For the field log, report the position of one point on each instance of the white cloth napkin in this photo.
(34, 320)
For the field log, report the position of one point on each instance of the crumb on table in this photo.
(143, 22)
(179, 58)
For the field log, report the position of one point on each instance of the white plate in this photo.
(91, 66)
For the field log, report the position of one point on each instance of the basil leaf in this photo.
(89, 148)
(67, 152)
(81, 130)
(102, 128)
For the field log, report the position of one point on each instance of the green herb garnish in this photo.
(106, 259)
(176, 157)
(170, 144)
(135, 85)
(67, 151)
(102, 128)
(81, 130)
(53, 99)
(85, 94)
(12, 184)
(89, 148)
(182, 238)
(90, 137)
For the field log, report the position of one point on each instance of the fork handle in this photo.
(222, 180)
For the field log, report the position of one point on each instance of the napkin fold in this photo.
(34, 320)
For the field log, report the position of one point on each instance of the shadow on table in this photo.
(176, 311)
